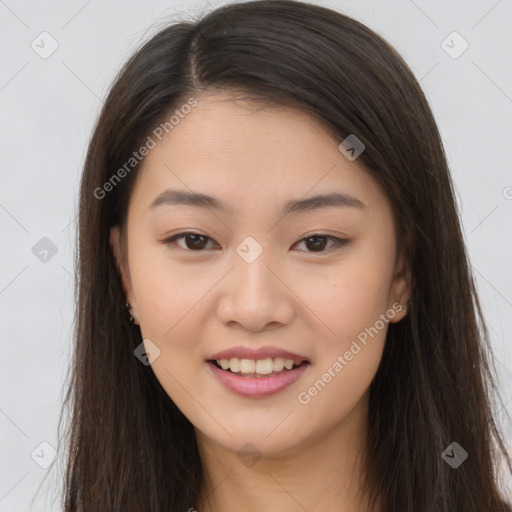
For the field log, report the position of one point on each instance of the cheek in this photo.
(349, 297)
(169, 307)
(166, 292)
(347, 361)
(350, 358)
(355, 306)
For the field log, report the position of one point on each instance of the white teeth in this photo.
(278, 364)
(259, 366)
(288, 364)
(264, 366)
(247, 365)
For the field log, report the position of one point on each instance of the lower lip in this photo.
(258, 387)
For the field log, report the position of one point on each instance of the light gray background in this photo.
(48, 109)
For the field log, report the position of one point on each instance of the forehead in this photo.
(246, 153)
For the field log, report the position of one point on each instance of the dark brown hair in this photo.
(130, 447)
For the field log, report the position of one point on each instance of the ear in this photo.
(122, 267)
(400, 291)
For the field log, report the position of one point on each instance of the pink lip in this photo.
(260, 353)
(257, 387)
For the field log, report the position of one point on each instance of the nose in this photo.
(256, 295)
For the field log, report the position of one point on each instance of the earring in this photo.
(406, 310)
(128, 306)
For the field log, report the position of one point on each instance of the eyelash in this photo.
(339, 242)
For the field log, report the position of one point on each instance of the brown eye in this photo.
(196, 241)
(318, 242)
(193, 241)
(314, 243)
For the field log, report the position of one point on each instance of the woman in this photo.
(267, 193)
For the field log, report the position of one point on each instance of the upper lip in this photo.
(258, 353)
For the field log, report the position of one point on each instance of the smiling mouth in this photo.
(263, 368)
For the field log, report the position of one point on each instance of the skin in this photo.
(191, 304)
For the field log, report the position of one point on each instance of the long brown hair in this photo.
(130, 448)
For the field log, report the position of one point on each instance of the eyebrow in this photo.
(329, 200)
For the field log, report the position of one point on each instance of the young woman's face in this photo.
(257, 280)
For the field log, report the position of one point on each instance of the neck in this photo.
(319, 474)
